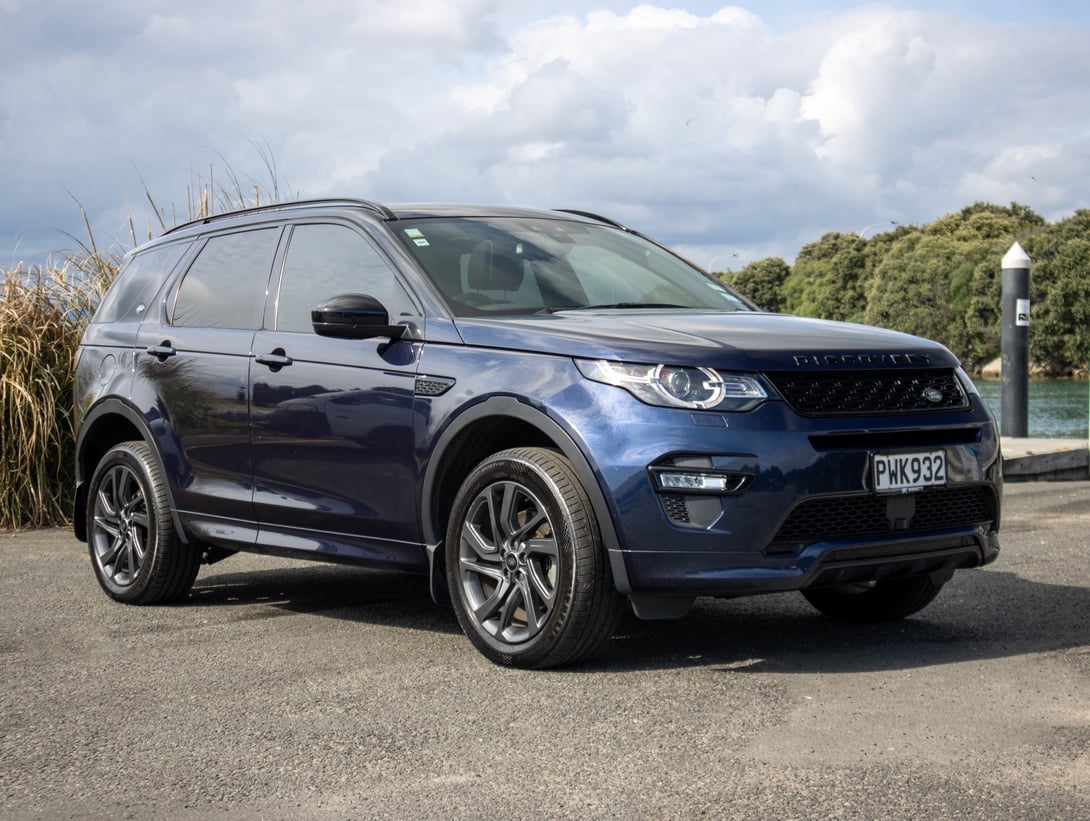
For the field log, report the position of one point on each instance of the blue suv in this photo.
(548, 414)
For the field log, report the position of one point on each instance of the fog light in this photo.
(698, 481)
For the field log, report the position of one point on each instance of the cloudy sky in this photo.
(730, 132)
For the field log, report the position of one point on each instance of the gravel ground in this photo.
(281, 689)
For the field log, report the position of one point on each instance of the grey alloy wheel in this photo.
(527, 574)
(508, 562)
(135, 551)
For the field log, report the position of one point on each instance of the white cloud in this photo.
(739, 130)
(868, 86)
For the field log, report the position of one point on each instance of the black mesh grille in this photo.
(432, 386)
(675, 506)
(842, 517)
(872, 393)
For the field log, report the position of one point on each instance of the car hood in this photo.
(749, 341)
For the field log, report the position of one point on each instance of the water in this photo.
(1058, 408)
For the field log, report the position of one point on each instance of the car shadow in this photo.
(979, 615)
(335, 591)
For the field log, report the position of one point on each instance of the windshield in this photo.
(493, 266)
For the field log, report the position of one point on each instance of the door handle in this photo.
(275, 360)
(162, 350)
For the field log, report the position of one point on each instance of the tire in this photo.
(886, 600)
(135, 551)
(527, 574)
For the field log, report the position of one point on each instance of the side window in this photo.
(325, 261)
(137, 284)
(225, 287)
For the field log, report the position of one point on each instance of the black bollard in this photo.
(1014, 344)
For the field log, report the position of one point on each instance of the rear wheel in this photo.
(527, 574)
(135, 551)
(886, 600)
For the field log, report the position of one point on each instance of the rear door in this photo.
(334, 468)
(195, 365)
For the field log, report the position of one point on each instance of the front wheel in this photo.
(886, 600)
(527, 574)
(135, 551)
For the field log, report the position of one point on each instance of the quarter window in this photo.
(136, 285)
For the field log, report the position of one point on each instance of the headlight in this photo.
(674, 386)
(967, 383)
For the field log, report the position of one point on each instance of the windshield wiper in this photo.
(609, 305)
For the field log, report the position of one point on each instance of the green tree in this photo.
(986, 221)
(829, 278)
(1059, 335)
(984, 232)
(761, 281)
(910, 289)
(942, 281)
(979, 334)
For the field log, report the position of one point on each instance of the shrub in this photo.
(42, 313)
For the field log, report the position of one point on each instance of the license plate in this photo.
(893, 472)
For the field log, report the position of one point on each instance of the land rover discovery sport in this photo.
(546, 413)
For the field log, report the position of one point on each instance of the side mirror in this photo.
(354, 316)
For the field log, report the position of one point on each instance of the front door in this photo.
(332, 419)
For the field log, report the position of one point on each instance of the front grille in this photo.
(843, 517)
(870, 393)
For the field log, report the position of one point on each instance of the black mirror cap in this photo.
(354, 316)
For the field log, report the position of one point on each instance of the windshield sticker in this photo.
(413, 233)
(420, 242)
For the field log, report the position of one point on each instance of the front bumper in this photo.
(820, 564)
(806, 513)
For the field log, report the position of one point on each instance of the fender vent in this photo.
(432, 385)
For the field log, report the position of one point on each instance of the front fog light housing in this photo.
(682, 480)
(675, 386)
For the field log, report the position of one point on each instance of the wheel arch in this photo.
(109, 423)
(497, 424)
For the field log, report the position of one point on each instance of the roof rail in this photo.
(370, 205)
(595, 217)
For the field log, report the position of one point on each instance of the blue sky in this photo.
(731, 132)
(781, 14)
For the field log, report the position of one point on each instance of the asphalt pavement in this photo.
(281, 689)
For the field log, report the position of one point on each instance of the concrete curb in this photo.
(1045, 460)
